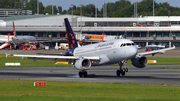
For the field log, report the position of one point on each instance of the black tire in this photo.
(85, 74)
(123, 73)
(80, 74)
(118, 72)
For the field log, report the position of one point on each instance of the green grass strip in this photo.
(76, 91)
(45, 63)
(29, 62)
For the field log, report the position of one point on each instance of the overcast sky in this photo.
(65, 4)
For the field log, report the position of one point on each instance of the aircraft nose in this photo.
(14, 39)
(134, 51)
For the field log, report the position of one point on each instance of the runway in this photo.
(152, 74)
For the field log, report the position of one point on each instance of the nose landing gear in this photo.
(122, 71)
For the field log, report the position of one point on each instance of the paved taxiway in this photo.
(152, 74)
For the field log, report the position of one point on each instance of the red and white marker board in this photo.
(39, 83)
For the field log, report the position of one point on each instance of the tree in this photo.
(163, 12)
(41, 8)
(64, 12)
(32, 5)
(59, 9)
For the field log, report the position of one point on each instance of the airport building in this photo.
(14, 12)
(160, 30)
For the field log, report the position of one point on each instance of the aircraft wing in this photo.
(55, 58)
(161, 51)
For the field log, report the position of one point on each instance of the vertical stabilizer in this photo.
(70, 35)
(14, 32)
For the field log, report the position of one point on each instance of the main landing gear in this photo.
(122, 71)
(82, 72)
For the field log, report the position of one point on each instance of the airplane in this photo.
(18, 40)
(103, 53)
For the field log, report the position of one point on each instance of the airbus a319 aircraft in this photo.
(103, 53)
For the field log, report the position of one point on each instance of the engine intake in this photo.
(140, 62)
(83, 64)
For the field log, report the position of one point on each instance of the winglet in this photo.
(70, 35)
(14, 32)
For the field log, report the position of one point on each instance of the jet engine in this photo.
(139, 62)
(82, 64)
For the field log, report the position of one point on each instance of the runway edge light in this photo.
(39, 83)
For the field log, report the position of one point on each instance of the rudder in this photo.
(14, 31)
(70, 35)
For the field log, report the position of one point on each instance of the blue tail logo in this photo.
(70, 35)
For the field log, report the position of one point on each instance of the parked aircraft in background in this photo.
(18, 40)
(103, 53)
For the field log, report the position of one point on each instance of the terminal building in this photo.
(158, 30)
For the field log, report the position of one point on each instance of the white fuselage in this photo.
(23, 39)
(18, 39)
(110, 52)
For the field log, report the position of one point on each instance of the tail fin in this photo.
(14, 31)
(70, 35)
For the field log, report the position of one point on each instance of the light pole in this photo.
(153, 7)
(52, 8)
(72, 13)
(38, 7)
(96, 7)
(81, 20)
(134, 9)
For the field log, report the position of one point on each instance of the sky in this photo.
(65, 4)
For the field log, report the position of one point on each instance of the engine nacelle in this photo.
(139, 62)
(82, 64)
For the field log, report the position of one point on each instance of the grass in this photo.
(160, 61)
(54, 90)
(45, 63)
(28, 62)
(165, 60)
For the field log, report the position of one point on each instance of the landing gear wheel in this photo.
(123, 73)
(85, 74)
(118, 72)
(126, 69)
(80, 74)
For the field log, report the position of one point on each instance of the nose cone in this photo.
(133, 51)
(15, 40)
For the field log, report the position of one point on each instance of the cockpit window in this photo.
(133, 44)
(127, 44)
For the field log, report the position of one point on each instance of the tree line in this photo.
(121, 8)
